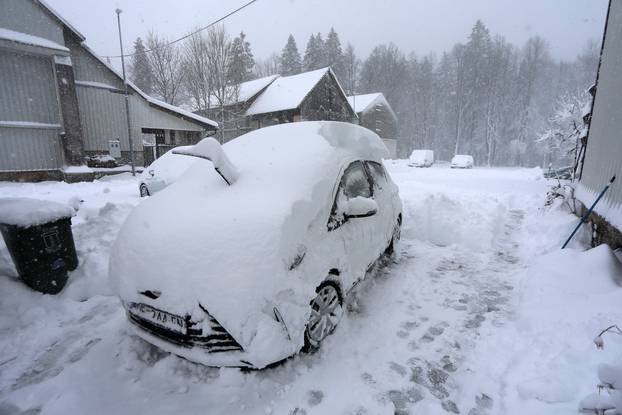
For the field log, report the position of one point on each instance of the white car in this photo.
(164, 171)
(421, 158)
(248, 258)
(462, 161)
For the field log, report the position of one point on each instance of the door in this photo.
(384, 194)
(358, 234)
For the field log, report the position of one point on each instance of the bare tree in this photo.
(166, 63)
(197, 80)
(219, 59)
(268, 66)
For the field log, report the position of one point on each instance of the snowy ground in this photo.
(481, 313)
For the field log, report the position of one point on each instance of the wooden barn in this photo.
(232, 118)
(308, 96)
(375, 113)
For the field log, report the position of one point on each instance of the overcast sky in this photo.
(413, 25)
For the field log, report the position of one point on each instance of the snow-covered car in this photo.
(248, 259)
(421, 158)
(462, 161)
(164, 171)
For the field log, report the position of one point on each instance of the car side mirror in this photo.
(151, 173)
(360, 207)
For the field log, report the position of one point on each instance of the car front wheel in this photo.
(144, 191)
(326, 311)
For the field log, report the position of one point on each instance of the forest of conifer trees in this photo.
(504, 104)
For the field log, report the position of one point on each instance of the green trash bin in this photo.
(38, 236)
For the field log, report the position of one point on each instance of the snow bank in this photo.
(545, 361)
(77, 169)
(26, 212)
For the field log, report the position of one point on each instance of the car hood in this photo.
(232, 259)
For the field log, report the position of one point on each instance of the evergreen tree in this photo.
(314, 54)
(290, 58)
(477, 76)
(243, 61)
(140, 69)
(334, 54)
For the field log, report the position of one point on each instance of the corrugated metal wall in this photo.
(604, 150)
(102, 114)
(102, 111)
(28, 88)
(27, 17)
(88, 68)
(29, 149)
(28, 91)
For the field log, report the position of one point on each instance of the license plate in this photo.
(159, 317)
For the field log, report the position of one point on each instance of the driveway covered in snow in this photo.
(469, 318)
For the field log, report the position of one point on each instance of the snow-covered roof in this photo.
(246, 91)
(250, 88)
(362, 103)
(61, 19)
(176, 109)
(156, 102)
(26, 39)
(286, 92)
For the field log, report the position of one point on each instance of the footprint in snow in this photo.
(403, 399)
(314, 397)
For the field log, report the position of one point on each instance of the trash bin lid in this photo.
(26, 212)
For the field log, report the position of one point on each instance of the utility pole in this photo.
(127, 97)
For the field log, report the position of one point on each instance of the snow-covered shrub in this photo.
(608, 399)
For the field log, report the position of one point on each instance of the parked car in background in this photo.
(462, 161)
(421, 158)
(164, 171)
(266, 242)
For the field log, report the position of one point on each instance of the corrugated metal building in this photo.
(61, 103)
(603, 155)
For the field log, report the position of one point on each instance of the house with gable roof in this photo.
(375, 113)
(308, 96)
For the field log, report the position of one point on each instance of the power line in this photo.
(189, 34)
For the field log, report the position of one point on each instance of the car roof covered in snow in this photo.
(288, 155)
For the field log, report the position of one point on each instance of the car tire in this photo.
(144, 190)
(326, 312)
(397, 234)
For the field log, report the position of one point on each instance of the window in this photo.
(354, 182)
(378, 174)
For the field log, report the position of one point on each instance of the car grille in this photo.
(215, 339)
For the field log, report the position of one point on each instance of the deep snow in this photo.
(481, 313)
